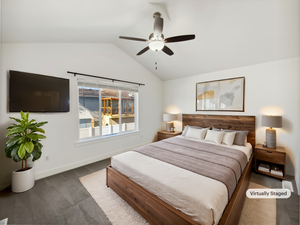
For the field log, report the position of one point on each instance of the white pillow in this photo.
(196, 133)
(228, 138)
(214, 136)
(187, 127)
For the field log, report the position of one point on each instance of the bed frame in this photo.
(155, 210)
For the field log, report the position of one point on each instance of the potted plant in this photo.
(24, 143)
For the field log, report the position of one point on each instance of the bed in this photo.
(161, 208)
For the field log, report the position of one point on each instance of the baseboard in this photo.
(82, 163)
(4, 185)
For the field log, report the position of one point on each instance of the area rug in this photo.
(255, 211)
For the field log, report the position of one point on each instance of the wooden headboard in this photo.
(222, 121)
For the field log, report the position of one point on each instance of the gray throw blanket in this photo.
(214, 161)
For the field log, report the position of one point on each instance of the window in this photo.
(127, 102)
(106, 110)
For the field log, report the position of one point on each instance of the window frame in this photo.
(120, 88)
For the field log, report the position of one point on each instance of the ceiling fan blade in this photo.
(143, 51)
(158, 26)
(133, 38)
(180, 38)
(167, 50)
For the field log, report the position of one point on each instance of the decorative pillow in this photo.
(240, 137)
(216, 129)
(187, 127)
(228, 138)
(196, 133)
(185, 130)
(214, 136)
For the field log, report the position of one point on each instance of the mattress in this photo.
(201, 198)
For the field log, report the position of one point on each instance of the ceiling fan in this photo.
(157, 40)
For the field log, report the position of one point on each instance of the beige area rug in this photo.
(255, 211)
(258, 211)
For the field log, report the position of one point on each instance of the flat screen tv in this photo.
(37, 93)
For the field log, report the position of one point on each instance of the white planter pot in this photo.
(22, 180)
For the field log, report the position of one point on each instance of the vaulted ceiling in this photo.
(229, 33)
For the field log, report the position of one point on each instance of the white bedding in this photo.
(201, 198)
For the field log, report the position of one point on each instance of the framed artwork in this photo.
(221, 95)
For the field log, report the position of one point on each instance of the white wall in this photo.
(2, 153)
(62, 130)
(297, 172)
(270, 88)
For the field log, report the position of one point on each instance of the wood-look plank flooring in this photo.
(61, 199)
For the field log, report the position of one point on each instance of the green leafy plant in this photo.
(25, 140)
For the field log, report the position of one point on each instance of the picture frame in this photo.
(221, 95)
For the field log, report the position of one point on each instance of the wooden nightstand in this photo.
(271, 156)
(165, 134)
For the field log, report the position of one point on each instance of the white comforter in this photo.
(201, 198)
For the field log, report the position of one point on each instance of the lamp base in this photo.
(169, 125)
(271, 138)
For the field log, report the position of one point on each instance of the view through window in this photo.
(106, 110)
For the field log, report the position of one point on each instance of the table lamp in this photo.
(169, 118)
(271, 121)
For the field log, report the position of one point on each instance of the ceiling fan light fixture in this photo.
(157, 40)
(156, 45)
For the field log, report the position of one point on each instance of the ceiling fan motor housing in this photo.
(151, 37)
(156, 14)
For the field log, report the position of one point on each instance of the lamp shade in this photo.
(169, 117)
(156, 45)
(272, 121)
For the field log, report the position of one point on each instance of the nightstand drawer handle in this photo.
(269, 152)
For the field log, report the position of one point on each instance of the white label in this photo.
(268, 193)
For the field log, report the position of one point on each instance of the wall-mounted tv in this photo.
(37, 93)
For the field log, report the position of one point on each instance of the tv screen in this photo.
(37, 93)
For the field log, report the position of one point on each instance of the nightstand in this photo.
(165, 134)
(272, 157)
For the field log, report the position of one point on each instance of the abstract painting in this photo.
(221, 95)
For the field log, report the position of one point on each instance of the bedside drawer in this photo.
(269, 156)
(161, 137)
(164, 136)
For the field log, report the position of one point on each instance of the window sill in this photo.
(94, 140)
